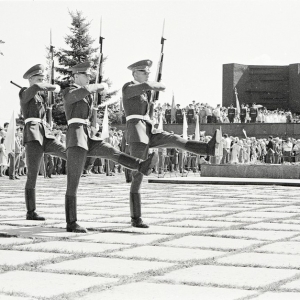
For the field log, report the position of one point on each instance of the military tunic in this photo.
(33, 106)
(77, 103)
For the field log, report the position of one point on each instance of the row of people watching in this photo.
(208, 114)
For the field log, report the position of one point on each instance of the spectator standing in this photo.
(179, 116)
(243, 113)
(168, 114)
(208, 112)
(287, 148)
(202, 115)
(190, 114)
(3, 157)
(270, 151)
(253, 113)
(231, 113)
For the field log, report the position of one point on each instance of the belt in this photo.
(78, 120)
(141, 117)
(36, 120)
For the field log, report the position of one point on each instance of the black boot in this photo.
(71, 215)
(215, 147)
(143, 166)
(128, 175)
(211, 148)
(30, 206)
(135, 211)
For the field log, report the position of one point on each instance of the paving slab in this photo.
(198, 223)
(122, 238)
(292, 247)
(198, 212)
(42, 284)
(70, 247)
(167, 253)
(262, 260)
(156, 291)
(94, 225)
(274, 226)
(292, 285)
(7, 297)
(126, 220)
(269, 235)
(23, 222)
(262, 214)
(111, 266)
(37, 231)
(278, 296)
(14, 258)
(163, 229)
(239, 277)
(207, 242)
(6, 241)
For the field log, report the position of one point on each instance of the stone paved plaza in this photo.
(205, 242)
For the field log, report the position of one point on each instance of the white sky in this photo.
(201, 37)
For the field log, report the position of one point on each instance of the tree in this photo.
(1, 42)
(80, 50)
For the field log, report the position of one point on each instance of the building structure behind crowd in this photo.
(274, 87)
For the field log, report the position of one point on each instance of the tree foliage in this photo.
(1, 42)
(79, 50)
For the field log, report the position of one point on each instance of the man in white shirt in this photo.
(287, 147)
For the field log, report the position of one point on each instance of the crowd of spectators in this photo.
(248, 150)
(235, 150)
(209, 114)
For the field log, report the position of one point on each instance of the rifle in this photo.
(155, 95)
(51, 80)
(97, 96)
(15, 84)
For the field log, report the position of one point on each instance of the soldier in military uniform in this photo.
(37, 137)
(80, 143)
(190, 114)
(141, 135)
(178, 113)
(231, 113)
(253, 113)
(243, 113)
(168, 114)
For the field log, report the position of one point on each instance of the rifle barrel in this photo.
(15, 84)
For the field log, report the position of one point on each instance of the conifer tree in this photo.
(80, 49)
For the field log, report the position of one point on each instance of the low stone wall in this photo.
(252, 171)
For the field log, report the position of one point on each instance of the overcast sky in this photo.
(201, 37)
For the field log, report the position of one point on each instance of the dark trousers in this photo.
(77, 158)
(14, 160)
(160, 140)
(34, 154)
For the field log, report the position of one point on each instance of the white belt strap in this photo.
(78, 120)
(35, 120)
(146, 118)
(141, 117)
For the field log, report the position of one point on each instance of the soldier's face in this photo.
(82, 79)
(36, 79)
(141, 75)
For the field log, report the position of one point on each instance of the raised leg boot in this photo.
(71, 215)
(143, 166)
(212, 148)
(135, 211)
(30, 206)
